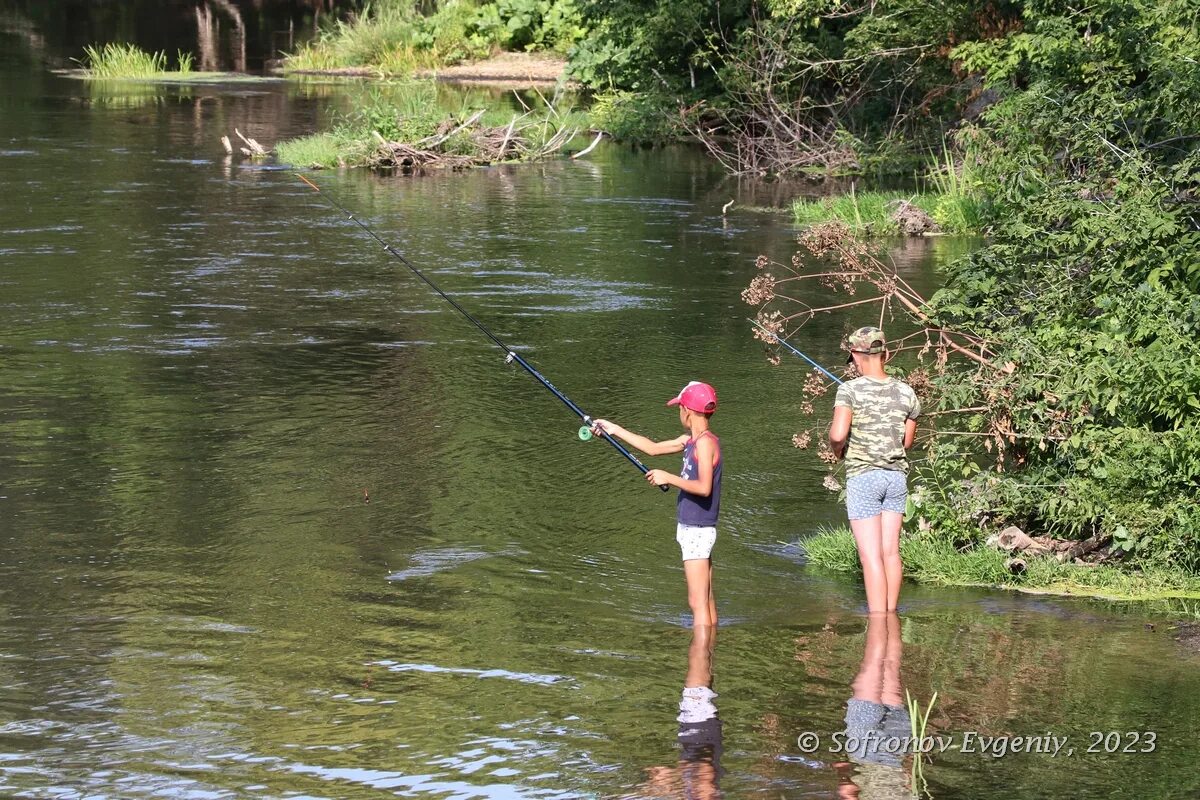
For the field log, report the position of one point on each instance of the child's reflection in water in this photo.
(876, 719)
(699, 767)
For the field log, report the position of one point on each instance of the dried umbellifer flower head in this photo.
(802, 440)
(760, 291)
(820, 239)
(814, 385)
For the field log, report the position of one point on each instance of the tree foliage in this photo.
(1089, 283)
(1068, 390)
(786, 85)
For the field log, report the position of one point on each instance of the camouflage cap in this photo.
(864, 340)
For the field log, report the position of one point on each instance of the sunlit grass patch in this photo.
(959, 206)
(321, 150)
(863, 212)
(872, 213)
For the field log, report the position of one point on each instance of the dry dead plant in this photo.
(835, 259)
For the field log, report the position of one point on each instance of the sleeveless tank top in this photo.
(692, 508)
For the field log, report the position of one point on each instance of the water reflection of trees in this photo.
(223, 34)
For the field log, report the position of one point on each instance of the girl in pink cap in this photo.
(699, 485)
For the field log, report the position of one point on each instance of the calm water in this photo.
(204, 375)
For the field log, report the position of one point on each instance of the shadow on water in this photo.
(275, 521)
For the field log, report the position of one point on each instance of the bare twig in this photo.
(590, 147)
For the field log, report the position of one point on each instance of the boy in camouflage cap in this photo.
(874, 422)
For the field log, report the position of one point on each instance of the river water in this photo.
(275, 522)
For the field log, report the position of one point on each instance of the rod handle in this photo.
(665, 488)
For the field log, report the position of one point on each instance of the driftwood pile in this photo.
(911, 220)
(458, 145)
(1014, 540)
(252, 149)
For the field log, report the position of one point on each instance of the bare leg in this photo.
(868, 684)
(698, 573)
(868, 537)
(893, 569)
(700, 657)
(712, 600)
(892, 693)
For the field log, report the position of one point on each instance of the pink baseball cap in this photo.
(696, 396)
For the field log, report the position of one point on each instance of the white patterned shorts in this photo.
(695, 541)
(871, 493)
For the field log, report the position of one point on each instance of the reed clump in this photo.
(116, 60)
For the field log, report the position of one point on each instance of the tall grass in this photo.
(959, 207)
(918, 724)
(115, 60)
(928, 561)
(382, 33)
(392, 38)
(953, 198)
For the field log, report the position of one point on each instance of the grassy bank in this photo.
(928, 561)
(875, 213)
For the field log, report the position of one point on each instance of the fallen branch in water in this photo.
(252, 148)
(458, 145)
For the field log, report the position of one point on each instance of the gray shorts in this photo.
(871, 493)
(876, 733)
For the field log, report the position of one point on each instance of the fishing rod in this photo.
(510, 355)
(776, 337)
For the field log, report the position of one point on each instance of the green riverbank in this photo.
(937, 563)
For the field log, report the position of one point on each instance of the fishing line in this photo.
(775, 336)
(510, 355)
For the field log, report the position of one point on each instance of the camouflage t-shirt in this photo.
(879, 410)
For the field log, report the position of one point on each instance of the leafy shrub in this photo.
(1088, 286)
(634, 116)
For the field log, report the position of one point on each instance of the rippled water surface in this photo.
(275, 522)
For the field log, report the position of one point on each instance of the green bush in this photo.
(1087, 287)
(638, 117)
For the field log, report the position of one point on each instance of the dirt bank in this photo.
(514, 69)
